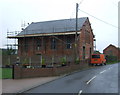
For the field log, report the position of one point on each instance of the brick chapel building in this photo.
(112, 50)
(55, 39)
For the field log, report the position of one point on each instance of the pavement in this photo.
(21, 85)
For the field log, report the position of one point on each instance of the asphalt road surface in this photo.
(101, 79)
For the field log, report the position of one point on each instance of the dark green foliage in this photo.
(77, 61)
(8, 51)
(110, 58)
(43, 61)
(63, 60)
(97, 52)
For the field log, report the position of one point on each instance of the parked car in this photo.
(98, 59)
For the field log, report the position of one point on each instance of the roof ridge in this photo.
(58, 20)
(112, 46)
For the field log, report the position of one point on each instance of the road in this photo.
(101, 79)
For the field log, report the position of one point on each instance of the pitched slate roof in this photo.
(55, 26)
(111, 46)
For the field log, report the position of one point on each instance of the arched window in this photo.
(83, 52)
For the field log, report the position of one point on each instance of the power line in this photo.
(81, 2)
(114, 3)
(99, 19)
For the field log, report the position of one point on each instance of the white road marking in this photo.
(102, 72)
(109, 68)
(80, 92)
(91, 80)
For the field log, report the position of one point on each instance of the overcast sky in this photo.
(13, 13)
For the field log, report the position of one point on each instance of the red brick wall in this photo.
(46, 51)
(20, 72)
(83, 42)
(61, 47)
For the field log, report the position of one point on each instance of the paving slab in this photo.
(21, 85)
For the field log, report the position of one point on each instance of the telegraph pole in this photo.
(76, 17)
(76, 30)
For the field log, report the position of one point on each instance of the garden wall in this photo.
(20, 72)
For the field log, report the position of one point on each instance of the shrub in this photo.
(43, 63)
(77, 61)
(64, 61)
(110, 58)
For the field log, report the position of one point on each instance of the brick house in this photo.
(53, 40)
(112, 50)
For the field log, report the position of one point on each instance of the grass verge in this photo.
(112, 62)
(5, 73)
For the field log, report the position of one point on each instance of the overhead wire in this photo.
(81, 2)
(99, 19)
(114, 3)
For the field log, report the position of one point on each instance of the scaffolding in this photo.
(26, 45)
(12, 43)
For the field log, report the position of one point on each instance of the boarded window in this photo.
(53, 43)
(68, 43)
(38, 44)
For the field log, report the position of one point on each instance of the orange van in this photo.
(98, 59)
